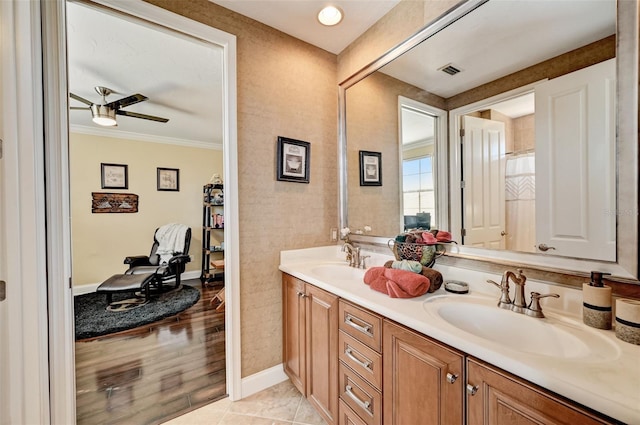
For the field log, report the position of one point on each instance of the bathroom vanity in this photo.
(364, 358)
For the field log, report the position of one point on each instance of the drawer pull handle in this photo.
(349, 353)
(472, 389)
(364, 404)
(364, 329)
(451, 377)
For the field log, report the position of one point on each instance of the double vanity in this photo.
(361, 357)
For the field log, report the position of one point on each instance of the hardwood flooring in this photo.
(156, 372)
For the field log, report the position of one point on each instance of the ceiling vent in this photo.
(449, 69)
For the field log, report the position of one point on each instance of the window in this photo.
(418, 187)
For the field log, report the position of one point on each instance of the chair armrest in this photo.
(137, 260)
(180, 259)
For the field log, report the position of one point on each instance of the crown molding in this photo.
(104, 132)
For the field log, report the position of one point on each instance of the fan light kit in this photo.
(105, 114)
(330, 15)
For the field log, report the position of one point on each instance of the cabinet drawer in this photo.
(364, 326)
(362, 359)
(348, 416)
(360, 396)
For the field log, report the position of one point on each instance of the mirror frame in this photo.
(625, 269)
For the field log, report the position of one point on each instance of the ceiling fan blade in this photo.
(80, 99)
(79, 107)
(126, 101)
(143, 116)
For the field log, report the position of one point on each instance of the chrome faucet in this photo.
(353, 254)
(505, 300)
(519, 303)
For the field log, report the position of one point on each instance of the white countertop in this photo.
(610, 386)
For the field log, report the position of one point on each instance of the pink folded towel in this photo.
(443, 236)
(396, 283)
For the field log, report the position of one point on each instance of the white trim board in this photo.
(104, 132)
(262, 380)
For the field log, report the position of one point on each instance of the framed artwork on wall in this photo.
(169, 179)
(370, 168)
(293, 160)
(114, 176)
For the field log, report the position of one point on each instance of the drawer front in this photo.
(363, 360)
(348, 416)
(360, 396)
(364, 326)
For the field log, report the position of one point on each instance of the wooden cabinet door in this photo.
(495, 397)
(294, 331)
(422, 379)
(322, 352)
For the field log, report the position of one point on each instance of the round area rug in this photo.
(93, 318)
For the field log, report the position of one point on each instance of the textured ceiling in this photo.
(299, 18)
(181, 77)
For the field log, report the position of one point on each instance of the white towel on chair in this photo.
(170, 239)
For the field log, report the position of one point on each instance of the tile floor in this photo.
(281, 404)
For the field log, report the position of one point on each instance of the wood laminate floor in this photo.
(156, 372)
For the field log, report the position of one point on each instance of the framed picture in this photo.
(114, 176)
(293, 160)
(169, 179)
(370, 168)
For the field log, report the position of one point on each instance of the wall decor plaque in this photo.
(103, 202)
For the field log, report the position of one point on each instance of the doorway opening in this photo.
(195, 158)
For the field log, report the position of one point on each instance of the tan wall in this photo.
(101, 241)
(285, 88)
(372, 125)
(524, 133)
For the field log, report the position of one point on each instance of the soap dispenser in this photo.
(596, 302)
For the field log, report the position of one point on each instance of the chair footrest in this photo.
(125, 282)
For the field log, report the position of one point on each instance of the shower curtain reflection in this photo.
(520, 197)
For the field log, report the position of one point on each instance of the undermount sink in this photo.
(337, 272)
(555, 336)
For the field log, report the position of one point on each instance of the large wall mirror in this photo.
(511, 124)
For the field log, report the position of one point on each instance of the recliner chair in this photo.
(173, 268)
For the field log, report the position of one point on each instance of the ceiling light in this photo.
(330, 15)
(103, 115)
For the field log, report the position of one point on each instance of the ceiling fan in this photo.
(105, 113)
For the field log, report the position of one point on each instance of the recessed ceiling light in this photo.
(330, 15)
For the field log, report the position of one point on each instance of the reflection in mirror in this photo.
(460, 66)
(374, 125)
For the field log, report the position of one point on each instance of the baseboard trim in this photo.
(91, 287)
(263, 380)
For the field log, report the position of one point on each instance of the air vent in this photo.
(449, 69)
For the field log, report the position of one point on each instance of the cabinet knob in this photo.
(451, 377)
(472, 389)
(303, 295)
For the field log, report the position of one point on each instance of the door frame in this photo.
(24, 369)
(455, 158)
(61, 339)
(441, 158)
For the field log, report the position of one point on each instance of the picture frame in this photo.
(168, 179)
(114, 176)
(293, 160)
(370, 168)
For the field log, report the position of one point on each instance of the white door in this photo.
(483, 144)
(575, 142)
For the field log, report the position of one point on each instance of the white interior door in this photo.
(483, 145)
(575, 142)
